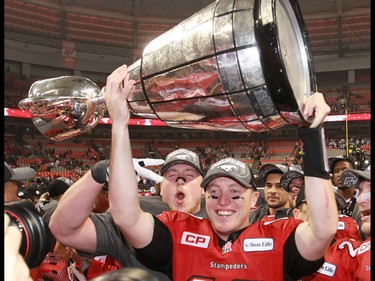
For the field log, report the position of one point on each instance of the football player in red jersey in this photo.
(346, 258)
(224, 246)
(361, 180)
(339, 263)
(347, 226)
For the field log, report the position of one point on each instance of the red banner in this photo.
(12, 112)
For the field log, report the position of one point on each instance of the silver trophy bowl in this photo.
(65, 106)
(236, 65)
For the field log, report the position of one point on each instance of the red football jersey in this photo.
(347, 227)
(100, 266)
(197, 254)
(344, 259)
(364, 264)
(53, 268)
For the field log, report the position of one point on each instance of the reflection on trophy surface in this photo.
(236, 65)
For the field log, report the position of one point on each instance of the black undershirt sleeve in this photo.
(158, 254)
(295, 266)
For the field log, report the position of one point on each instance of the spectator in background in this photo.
(31, 193)
(285, 162)
(49, 200)
(337, 166)
(12, 178)
(47, 205)
(292, 182)
(342, 103)
(145, 186)
(276, 197)
(332, 143)
(347, 226)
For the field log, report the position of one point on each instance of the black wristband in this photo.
(99, 171)
(315, 162)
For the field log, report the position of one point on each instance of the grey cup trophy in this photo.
(236, 65)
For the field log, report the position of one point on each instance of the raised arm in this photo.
(313, 237)
(136, 225)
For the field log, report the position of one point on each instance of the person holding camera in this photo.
(15, 266)
(41, 263)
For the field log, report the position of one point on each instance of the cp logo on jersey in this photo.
(195, 240)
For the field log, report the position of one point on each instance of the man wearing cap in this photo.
(277, 200)
(182, 175)
(337, 166)
(180, 189)
(292, 182)
(12, 178)
(223, 246)
(56, 189)
(346, 227)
